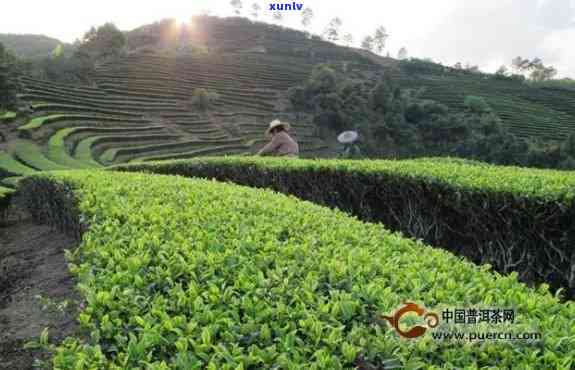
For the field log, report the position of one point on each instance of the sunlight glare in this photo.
(184, 19)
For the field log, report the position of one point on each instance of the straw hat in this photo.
(347, 137)
(277, 123)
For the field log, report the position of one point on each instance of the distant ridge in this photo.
(31, 46)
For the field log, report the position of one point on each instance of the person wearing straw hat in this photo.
(281, 143)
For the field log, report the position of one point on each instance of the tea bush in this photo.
(516, 219)
(190, 274)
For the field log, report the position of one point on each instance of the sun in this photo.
(184, 19)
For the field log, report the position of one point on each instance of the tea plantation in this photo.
(186, 274)
(146, 116)
(546, 113)
(138, 107)
(193, 255)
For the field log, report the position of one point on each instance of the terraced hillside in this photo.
(139, 109)
(528, 111)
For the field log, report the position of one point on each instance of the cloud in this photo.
(493, 32)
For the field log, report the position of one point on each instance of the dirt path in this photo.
(32, 263)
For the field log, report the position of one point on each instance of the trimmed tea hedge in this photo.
(39, 121)
(79, 108)
(180, 274)
(57, 150)
(209, 150)
(10, 166)
(513, 218)
(11, 182)
(31, 155)
(7, 116)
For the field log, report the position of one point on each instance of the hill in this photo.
(545, 112)
(138, 106)
(31, 46)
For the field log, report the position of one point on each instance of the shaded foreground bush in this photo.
(516, 219)
(5, 199)
(198, 274)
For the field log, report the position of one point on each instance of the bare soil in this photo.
(32, 264)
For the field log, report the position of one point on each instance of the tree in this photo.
(328, 111)
(323, 80)
(278, 16)
(203, 99)
(331, 32)
(306, 17)
(471, 68)
(58, 51)
(538, 71)
(8, 84)
(568, 146)
(542, 73)
(104, 41)
(367, 43)
(476, 104)
(517, 64)
(237, 6)
(381, 96)
(522, 65)
(256, 10)
(535, 63)
(502, 71)
(348, 39)
(402, 53)
(379, 39)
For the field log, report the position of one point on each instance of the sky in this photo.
(487, 33)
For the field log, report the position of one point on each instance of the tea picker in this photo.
(350, 147)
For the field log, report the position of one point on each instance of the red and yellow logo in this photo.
(431, 319)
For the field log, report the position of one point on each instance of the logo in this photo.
(431, 319)
(473, 324)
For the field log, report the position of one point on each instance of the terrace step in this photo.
(32, 155)
(221, 150)
(13, 166)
